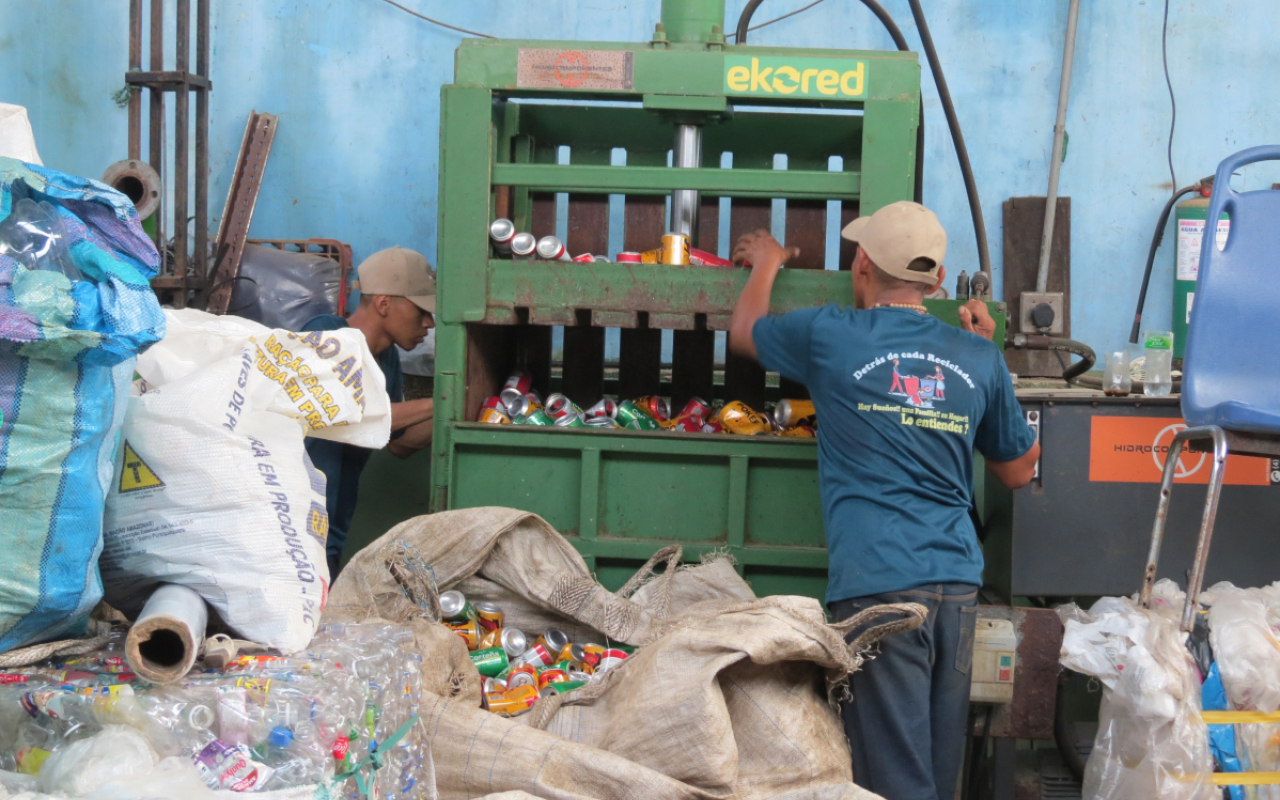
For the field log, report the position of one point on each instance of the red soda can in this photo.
(552, 249)
(657, 407)
(702, 258)
(538, 655)
(696, 407)
(605, 408)
(690, 423)
(523, 245)
(522, 675)
(560, 406)
(585, 258)
(501, 232)
(518, 384)
(551, 675)
(629, 258)
(712, 426)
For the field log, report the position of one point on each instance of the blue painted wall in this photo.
(356, 85)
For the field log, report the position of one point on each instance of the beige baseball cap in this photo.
(898, 234)
(398, 272)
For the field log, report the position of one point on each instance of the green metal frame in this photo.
(755, 496)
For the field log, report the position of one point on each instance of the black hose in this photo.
(1062, 734)
(1055, 343)
(1136, 387)
(899, 41)
(1156, 240)
(957, 138)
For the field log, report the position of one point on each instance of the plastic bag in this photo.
(115, 754)
(284, 289)
(213, 486)
(75, 309)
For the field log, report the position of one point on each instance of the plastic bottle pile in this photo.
(263, 723)
(519, 404)
(516, 672)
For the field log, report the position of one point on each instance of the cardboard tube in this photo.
(163, 644)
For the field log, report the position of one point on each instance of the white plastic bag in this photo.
(213, 486)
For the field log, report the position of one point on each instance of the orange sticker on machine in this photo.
(1133, 450)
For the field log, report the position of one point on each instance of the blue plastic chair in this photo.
(1230, 376)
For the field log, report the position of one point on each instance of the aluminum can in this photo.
(585, 674)
(601, 259)
(559, 406)
(501, 232)
(563, 687)
(701, 258)
(604, 408)
(712, 426)
(490, 662)
(489, 615)
(524, 405)
(696, 406)
(657, 407)
(633, 417)
(607, 663)
(519, 383)
(552, 249)
(537, 655)
(538, 417)
(488, 685)
(490, 639)
(628, 258)
(522, 675)
(800, 432)
(651, 256)
(591, 654)
(495, 403)
(608, 423)
(493, 416)
(585, 258)
(455, 608)
(513, 641)
(675, 249)
(551, 675)
(573, 652)
(469, 631)
(773, 422)
(554, 640)
(737, 417)
(691, 423)
(523, 245)
(513, 701)
(571, 420)
(790, 413)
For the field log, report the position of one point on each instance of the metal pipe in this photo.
(692, 21)
(202, 143)
(135, 93)
(1220, 451)
(684, 202)
(181, 148)
(1055, 161)
(155, 120)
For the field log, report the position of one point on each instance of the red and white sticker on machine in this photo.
(1133, 450)
(586, 70)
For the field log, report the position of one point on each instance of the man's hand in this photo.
(759, 248)
(975, 318)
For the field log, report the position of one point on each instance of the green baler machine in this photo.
(689, 97)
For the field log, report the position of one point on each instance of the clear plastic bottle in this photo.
(1157, 378)
(1116, 380)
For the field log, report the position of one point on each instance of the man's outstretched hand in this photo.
(975, 318)
(760, 248)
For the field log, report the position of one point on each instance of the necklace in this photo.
(916, 306)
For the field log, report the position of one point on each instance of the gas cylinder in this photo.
(1190, 216)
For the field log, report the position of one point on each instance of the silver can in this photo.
(604, 408)
(501, 232)
(608, 423)
(514, 642)
(554, 640)
(454, 606)
(551, 248)
(523, 245)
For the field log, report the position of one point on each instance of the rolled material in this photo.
(163, 644)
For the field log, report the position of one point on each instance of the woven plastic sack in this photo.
(728, 695)
(213, 486)
(75, 309)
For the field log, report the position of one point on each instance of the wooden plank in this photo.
(1023, 228)
(640, 348)
(743, 377)
(693, 352)
(806, 229)
(488, 363)
(584, 343)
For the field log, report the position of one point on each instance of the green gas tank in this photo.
(1190, 219)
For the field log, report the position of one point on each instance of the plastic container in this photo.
(1158, 367)
(1116, 381)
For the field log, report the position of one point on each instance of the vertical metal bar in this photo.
(1162, 516)
(1055, 162)
(202, 143)
(155, 141)
(687, 153)
(1220, 451)
(181, 147)
(135, 94)
(589, 494)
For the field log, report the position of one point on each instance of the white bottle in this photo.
(1157, 378)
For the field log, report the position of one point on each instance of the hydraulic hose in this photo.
(1087, 357)
(1136, 386)
(899, 41)
(1156, 240)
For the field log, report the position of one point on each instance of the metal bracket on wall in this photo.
(246, 182)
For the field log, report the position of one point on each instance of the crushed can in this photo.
(469, 631)
(519, 383)
(524, 405)
(559, 406)
(538, 656)
(633, 417)
(790, 413)
(701, 258)
(554, 640)
(800, 432)
(608, 423)
(493, 416)
(539, 417)
(627, 257)
(489, 615)
(696, 407)
(515, 700)
(739, 418)
(549, 675)
(604, 408)
(564, 687)
(657, 407)
(713, 426)
(571, 420)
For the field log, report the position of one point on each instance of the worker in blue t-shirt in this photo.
(397, 304)
(895, 465)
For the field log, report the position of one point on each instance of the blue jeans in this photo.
(906, 720)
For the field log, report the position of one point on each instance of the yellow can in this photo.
(651, 256)
(493, 416)
(675, 249)
(739, 418)
(513, 701)
(790, 413)
(800, 432)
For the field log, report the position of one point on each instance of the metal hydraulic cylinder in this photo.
(687, 153)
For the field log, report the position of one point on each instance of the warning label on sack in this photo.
(136, 474)
(1133, 450)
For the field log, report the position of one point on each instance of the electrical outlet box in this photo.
(995, 655)
(1028, 303)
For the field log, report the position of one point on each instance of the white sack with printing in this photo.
(213, 487)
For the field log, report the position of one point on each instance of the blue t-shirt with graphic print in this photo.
(902, 401)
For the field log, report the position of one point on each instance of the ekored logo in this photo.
(1133, 450)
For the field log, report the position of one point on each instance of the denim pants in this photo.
(906, 719)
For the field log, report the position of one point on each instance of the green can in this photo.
(573, 419)
(564, 687)
(539, 417)
(632, 417)
(490, 662)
